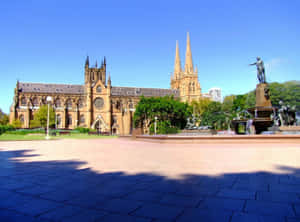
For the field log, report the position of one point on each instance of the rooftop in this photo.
(79, 89)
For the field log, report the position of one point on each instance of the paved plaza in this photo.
(125, 180)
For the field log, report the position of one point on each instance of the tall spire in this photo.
(87, 61)
(189, 68)
(177, 67)
(109, 80)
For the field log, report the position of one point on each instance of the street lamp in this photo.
(49, 99)
(155, 124)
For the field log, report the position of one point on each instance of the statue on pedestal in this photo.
(260, 70)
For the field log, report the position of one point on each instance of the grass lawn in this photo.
(12, 137)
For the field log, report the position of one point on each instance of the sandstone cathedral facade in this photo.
(98, 104)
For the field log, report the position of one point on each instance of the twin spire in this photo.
(188, 67)
(87, 62)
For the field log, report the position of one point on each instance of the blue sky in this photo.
(47, 41)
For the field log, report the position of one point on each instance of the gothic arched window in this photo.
(23, 101)
(81, 119)
(114, 119)
(130, 104)
(21, 118)
(118, 105)
(35, 102)
(58, 120)
(57, 103)
(69, 103)
(98, 89)
(69, 120)
(80, 103)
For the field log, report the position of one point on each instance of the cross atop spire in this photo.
(189, 68)
(177, 67)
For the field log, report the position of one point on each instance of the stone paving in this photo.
(124, 180)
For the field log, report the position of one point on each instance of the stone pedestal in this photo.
(263, 109)
(262, 95)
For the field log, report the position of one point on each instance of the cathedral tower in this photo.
(98, 93)
(186, 81)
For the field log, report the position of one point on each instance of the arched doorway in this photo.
(100, 124)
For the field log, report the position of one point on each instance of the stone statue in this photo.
(287, 114)
(191, 123)
(260, 70)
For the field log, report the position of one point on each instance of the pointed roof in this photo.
(177, 67)
(87, 61)
(189, 68)
(109, 79)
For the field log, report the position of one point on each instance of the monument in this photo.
(263, 109)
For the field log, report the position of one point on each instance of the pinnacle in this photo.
(189, 68)
(177, 68)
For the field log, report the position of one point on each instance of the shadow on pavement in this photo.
(60, 191)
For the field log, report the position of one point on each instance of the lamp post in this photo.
(55, 121)
(155, 124)
(49, 99)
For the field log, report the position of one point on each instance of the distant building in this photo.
(99, 104)
(215, 94)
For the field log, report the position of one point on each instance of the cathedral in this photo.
(97, 103)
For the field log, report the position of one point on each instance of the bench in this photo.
(64, 133)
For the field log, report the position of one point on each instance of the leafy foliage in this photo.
(42, 114)
(4, 119)
(164, 127)
(82, 130)
(26, 131)
(227, 105)
(214, 116)
(200, 106)
(170, 113)
(16, 123)
(288, 92)
(34, 123)
(5, 128)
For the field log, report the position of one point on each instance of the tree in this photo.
(239, 104)
(250, 99)
(227, 105)
(42, 114)
(288, 92)
(167, 109)
(214, 116)
(16, 123)
(4, 119)
(200, 106)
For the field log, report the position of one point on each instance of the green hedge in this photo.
(26, 131)
(82, 130)
(5, 128)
